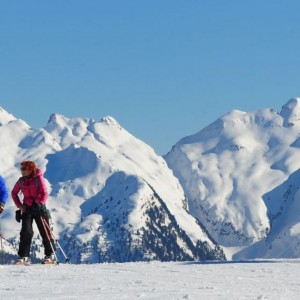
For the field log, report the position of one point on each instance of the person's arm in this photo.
(14, 194)
(43, 196)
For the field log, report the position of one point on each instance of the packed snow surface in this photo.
(258, 279)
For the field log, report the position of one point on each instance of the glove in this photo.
(18, 216)
(45, 213)
(1, 207)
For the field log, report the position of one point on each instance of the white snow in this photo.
(241, 170)
(260, 279)
(241, 175)
(87, 162)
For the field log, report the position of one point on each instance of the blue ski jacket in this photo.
(3, 191)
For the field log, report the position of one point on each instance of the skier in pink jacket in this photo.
(32, 207)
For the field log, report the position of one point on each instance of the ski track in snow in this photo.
(265, 279)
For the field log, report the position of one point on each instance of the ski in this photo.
(19, 263)
(27, 264)
(50, 263)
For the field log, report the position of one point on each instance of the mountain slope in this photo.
(231, 169)
(137, 225)
(88, 164)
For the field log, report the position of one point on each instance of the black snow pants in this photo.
(27, 232)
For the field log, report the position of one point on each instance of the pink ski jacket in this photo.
(33, 190)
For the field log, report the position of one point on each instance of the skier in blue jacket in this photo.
(3, 194)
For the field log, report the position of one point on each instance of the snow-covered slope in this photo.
(240, 175)
(265, 279)
(112, 197)
(284, 238)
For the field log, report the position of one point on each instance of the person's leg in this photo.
(26, 235)
(48, 244)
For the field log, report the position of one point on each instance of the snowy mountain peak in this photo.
(57, 120)
(114, 199)
(239, 172)
(291, 112)
(236, 114)
(110, 121)
(5, 117)
(136, 206)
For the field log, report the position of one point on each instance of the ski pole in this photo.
(48, 236)
(43, 220)
(58, 244)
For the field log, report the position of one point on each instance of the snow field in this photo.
(264, 279)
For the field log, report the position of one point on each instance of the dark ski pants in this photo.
(27, 234)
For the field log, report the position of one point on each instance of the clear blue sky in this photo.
(164, 69)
